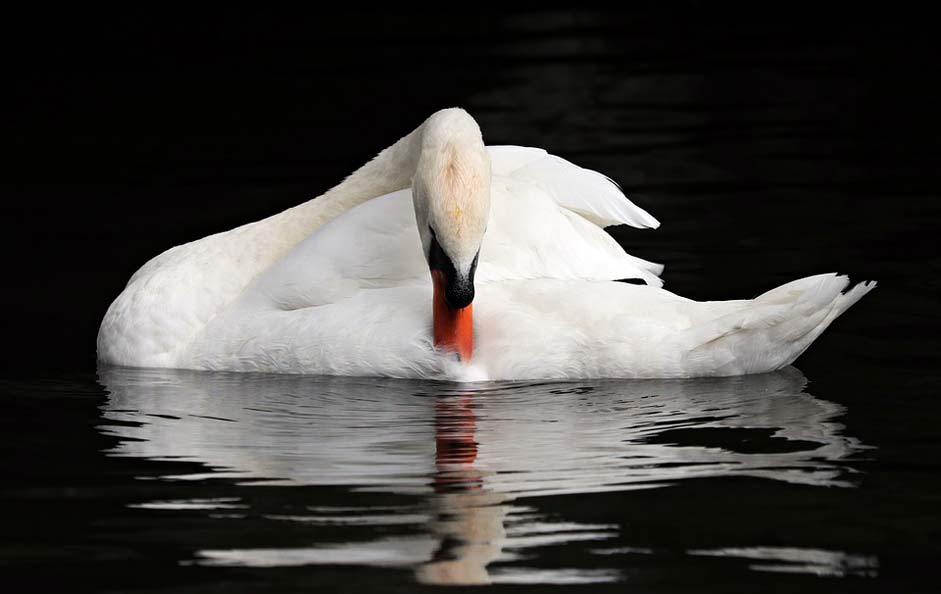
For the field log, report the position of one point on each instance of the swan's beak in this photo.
(454, 326)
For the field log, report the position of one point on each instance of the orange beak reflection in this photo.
(454, 328)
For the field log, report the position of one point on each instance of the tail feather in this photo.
(772, 330)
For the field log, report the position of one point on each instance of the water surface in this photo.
(443, 482)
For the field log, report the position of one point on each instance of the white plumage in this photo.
(339, 285)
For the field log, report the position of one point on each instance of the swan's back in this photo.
(174, 295)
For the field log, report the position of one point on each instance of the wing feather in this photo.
(585, 192)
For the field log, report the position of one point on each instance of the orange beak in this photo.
(454, 328)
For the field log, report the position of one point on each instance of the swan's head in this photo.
(451, 193)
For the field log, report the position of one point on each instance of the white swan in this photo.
(339, 285)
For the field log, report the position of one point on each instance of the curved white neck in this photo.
(391, 170)
(266, 241)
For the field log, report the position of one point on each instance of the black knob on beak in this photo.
(458, 287)
(458, 292)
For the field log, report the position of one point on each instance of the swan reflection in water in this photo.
(472, 452)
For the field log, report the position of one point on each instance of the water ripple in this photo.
(470, 455)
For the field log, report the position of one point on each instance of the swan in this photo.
(522, 282)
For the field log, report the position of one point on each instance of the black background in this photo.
(772, 142)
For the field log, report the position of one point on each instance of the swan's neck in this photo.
(391, 170)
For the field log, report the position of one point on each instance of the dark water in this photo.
(188, 481)
(770, 147)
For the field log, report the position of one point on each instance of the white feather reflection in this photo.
(472, 450)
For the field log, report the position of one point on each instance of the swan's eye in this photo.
(437, 259)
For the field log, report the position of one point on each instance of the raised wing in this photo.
(588, 193)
